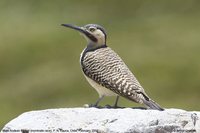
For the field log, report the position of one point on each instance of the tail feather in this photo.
(153, 105)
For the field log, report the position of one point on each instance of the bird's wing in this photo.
(106, 68)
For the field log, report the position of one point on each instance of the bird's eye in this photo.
(92, 29)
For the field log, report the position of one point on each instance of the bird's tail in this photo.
(153, 105)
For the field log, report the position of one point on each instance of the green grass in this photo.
(39, 59)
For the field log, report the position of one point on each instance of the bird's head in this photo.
(94, 34)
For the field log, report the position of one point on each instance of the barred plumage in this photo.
(105, 70)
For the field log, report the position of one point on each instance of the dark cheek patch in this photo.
(92, 37)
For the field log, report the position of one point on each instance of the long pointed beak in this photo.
(82, 30)
(75, 28)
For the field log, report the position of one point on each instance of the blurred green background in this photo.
(39, 60)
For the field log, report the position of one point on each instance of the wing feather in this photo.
(106, 68)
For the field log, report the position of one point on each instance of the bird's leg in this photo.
(115, 105)
(97, 102)
(116, 101)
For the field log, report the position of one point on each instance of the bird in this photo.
(106, 72)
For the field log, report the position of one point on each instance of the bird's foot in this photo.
(108, 106)
(113, 107)
(143, 108)
(101, 107)
(92, 106)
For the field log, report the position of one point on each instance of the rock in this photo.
(105, 121)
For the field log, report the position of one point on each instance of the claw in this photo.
(108, 106)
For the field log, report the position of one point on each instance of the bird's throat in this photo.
(94, 46)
